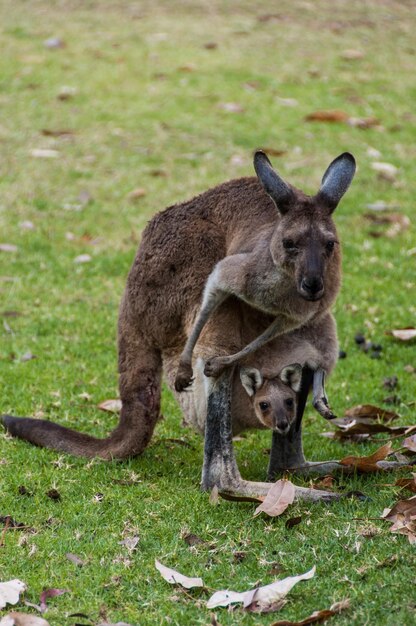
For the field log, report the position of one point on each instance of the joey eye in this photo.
(289, 245)
(330, 245)
(289, 403)
(264, 406)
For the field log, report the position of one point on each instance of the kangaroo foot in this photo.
(183, 376)
(215, 366)
(252, 489)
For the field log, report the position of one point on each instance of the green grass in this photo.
(138, 108)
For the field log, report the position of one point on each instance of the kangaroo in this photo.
(289, 269)
(207, 241)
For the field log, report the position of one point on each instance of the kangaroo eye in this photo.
(264, 406)
(330, 245)
(289, 403)
(289, 244)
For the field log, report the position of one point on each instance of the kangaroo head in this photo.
(305, 242)
(273, 399)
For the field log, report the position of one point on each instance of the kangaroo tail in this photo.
(140, 381)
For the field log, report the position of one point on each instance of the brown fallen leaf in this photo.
(192, 540)
(175, 578)
(112, 406)
(235, 497)
(404, 334)
(403, 516)
(22, 619)
(370, 411)
(317, 616)
(136, 194)
(50, 593)
(368, 463)
(407, 483)
(352, 54)
(327, 116)
(61, 132)
(278, 498)
(44, 153)
(398, 223)
(260, 599)
(410, 443)
(76, 560)
(363, 122)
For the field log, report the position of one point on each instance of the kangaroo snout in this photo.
(282, 426)
(312, 288)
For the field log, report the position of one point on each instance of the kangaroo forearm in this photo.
(278, 327)
(211, 305)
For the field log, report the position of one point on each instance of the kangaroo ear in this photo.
(279, 191)
(336, 180)
(251, 379)
(292, 375)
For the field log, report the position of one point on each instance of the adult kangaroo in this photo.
(287, 244)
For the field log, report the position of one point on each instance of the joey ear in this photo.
(279, 191)
(292, 375)
(336, 180)
(251, 379)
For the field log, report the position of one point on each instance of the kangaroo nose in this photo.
(312, 284)
(282, 426)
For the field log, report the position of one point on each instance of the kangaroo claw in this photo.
(214, 367)
(184, 377)
(321, 405)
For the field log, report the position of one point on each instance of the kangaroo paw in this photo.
(215, 366)
(321, 405)
(183, 377)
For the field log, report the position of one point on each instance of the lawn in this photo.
(138, 106)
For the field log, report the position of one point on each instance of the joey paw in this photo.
(214, 367)
(183, 377)
(321, 405)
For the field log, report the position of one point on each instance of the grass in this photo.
(147, 112)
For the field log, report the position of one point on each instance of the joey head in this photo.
(273, 399)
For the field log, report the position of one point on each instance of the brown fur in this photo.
(179, 249)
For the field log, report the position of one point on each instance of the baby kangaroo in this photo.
(289, 269)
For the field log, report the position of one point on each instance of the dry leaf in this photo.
(352, 55)
(136, 194)
(8, 247)
(41, 153)
(293, 521)
(112, 406)
(317, 616)
(214, 496)
(175, 578)
(76, 560)
(404, 334)
(407, 483)
(260, 599)
(410, 443)
(387, 171)
(130, 543)
(363, 122)
(327, 116)
(22, 619)
(370, 411)
(83, 258)
(278, 498)
(403, 516)
(49, 593)
(10, 592)
(368, 463)
(231, 107)
(273, 151)
(54, 43)
(66, 92)
(398, 223)
(61, 132)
